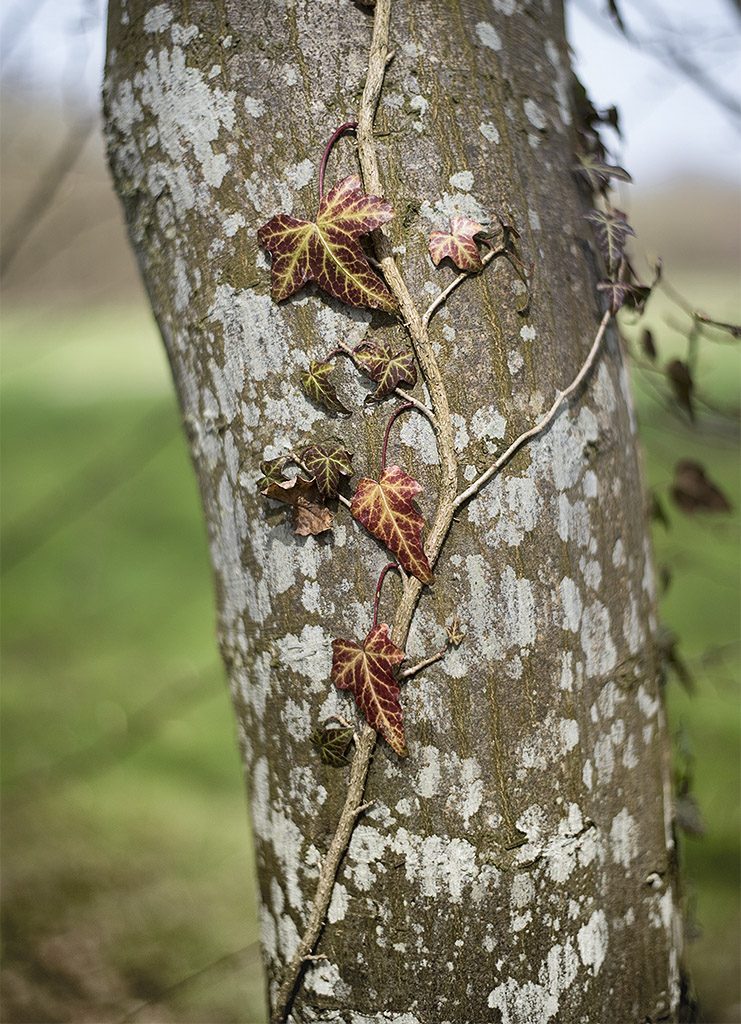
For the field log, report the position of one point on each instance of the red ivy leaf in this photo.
(327, 250)
(457, 244)
(388, 369)
(315, 382)
(327, 462)
(310, 514)
(367, 671)
(385, 509)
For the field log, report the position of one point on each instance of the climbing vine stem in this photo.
(450, 500)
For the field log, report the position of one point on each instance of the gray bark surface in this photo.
(519, 865)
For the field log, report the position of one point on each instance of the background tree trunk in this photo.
(519, 866)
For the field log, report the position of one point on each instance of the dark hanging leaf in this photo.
(656, 510)
(612, 7)
(328, 250)
(611, 116)
(317, 385)
(693, 492)
(327, 461)
(457, 244)
(332, 744)
(597, 173)
(667, 642)
(680, 379)
(368, 672)
(688, 815)
(385, 508)
(648, 346)
(611, 232)
(665, 578)
(388, 369)
(272, 470)
(310, 514)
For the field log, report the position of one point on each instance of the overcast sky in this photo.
(670, 125)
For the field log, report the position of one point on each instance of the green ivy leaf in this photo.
(328, 250)
(332, 745)
(315, 382)
(455, 636)
(386, 368)
(272, 470)
(327, 461)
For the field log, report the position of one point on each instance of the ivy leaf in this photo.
(367, 671)
(611, 232)
(385, 509)
(310, 514)
(598, 173)
(682, 384)
(617, 292)
(388, 369)
(315, 382)
(332, 745)
(327, 250)
(693, 492)
(648, 344)
(327, 462)
(455, 637)
(272, 470)
(457, 244)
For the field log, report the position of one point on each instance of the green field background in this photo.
(128, 883)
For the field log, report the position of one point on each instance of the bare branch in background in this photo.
(15, 25)
(674, 56)
(46, 189)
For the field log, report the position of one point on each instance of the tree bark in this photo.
(519, 866)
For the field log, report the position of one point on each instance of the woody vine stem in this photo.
(450, 498)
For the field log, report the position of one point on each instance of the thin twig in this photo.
(409, 672)
(541, 424)
(432, 309)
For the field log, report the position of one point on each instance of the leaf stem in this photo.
(540, 426)
(392, 417)
(391, 565)
(328, 149)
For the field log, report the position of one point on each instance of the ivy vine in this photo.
(328, 250)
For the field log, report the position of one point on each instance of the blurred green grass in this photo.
(127, 861)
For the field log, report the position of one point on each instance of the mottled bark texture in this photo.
(518, 866)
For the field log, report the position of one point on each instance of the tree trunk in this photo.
(518, 866)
